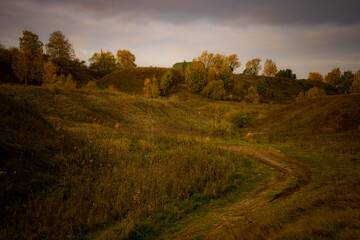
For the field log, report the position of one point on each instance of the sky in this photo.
(305, 36)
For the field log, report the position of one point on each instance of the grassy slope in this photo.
(105, 164)
(132, 80)
(330, 123)
(83, 75)
(279, 90)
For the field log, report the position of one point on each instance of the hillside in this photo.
(279, 90)
(83, 75)
(6, 74)
(132, 80)
(330, 122)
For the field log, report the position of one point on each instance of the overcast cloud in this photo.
(302, 35)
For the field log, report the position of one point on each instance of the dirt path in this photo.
(290, 177)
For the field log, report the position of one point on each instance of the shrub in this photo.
(240, 119)
(253, 95)
(195, 75)
(214, 90)
(261, 86)
(91, 85)
(166, 82)
(155, 91)
(315, 92)
(69, 83)
(147, 88)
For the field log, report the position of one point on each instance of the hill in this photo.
(179, 65)
(330, 122)
(83, 75)
(279, 90)
(132, 80)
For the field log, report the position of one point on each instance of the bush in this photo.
(166, 82)
(69, 83)
(214, 90)
(261, 86)
(253, 95)
(315, 92)
(240, 119)
(91, 85)
(195, 76)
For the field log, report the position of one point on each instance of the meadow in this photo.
(107, 163)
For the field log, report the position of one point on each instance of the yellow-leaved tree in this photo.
(315, 76)
(253, 67)
(270, 68)
(125, 59)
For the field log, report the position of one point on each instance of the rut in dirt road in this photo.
(290, 177)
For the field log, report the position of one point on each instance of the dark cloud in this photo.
(218, 11)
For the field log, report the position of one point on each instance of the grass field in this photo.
(111, 164)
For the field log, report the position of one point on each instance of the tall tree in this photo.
(315, 76)
(195, 76)
(253, 66)
(346, 79)
(233, 61)
(125, 59)
(333, 77)
(28, 62)
(206, 59)
(103, 61)
(270, 68)
(60, 49)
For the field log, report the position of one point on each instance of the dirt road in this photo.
(290, 177)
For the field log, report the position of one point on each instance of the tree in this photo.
(103, 61)
(77, 63)
(253, 66)
(355, 86)
(253, 96)
(125, 59)
(270, 68)
(49, 73)
(195, 76)
(183, 66)
(60, 49)
(214, 90)
(261, 86)
(233, 61)
(212, 74)
(333, 77)
(206, 59)
(315, 76)
(218, 61)
(166, 82)
(155, 92)
(286, 74)
(225, 75)
(147, 88)
(28, 64)
(346, 79)
(69, 82)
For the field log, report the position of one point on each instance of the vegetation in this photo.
(60, 49)
(125, 59)
(253, 67)
(315, 76)
(270, 68)
(103, 61)
(286, 74)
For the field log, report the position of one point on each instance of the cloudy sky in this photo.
(305, 35)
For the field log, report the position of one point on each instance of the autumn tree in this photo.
(166, 82)
(225, 75)
(49, 73)
(212, 74)
(60, 49)
(69, 82)
(195, 76)
(315, 92)
(346, 79)
(333, 78)
(103, 61)
(253, 66)
(147, 88)
(206, 59)
(233, 62)
(315, 76)
(155, 91)
(355, 86)
(125, 59)
(270, 68)
(286, 74)
(28, 64)
(214, 90)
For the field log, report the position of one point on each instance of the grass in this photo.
(104, 164)
(327, 208)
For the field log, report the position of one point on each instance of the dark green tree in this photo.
(286, 74)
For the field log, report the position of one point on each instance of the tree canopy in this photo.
(253, 67)
(125, 59)
(103, 60)
(286, 73)
(60, 49)
(270, 68)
